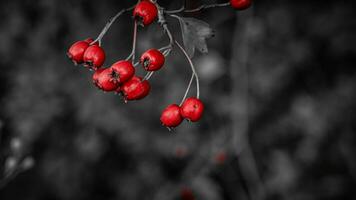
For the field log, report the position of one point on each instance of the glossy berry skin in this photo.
(106, 82)
(152, 60)
(94, 57)
(171, 116)
(192, 109)
(240, 4)
(135, 89)
(96, 77)
(124, 71)
(76, 51)
(146, 12)
(90, 40)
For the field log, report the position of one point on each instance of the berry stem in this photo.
(109, 23)
(202, 7)
(163, 22)
(148, 76)
(133, 52)
(192, 66)
(187, 91)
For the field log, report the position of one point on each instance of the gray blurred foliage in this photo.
(279, 84)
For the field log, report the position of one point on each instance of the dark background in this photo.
(279, 84)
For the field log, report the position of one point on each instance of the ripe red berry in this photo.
(96, 77)
(145, 12)
(94, 57)
(181, 152)
(89, 40)
(76, 51)
(171, 116)
(187, 194)
(152, 60)
(123, 70)
(106, 82)
(135, 89)
(192, 109)
(220, 158)
(240, 4)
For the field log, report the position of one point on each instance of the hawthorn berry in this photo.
(171, 116)
(240, 4)
(192, 109)
(181, 152)
(94, 57)
(90, 40)
(152, 60)
(187, 194)
(123, 71)
(220, 158)
(135, 89)
(106, 81)
(76, 51)
(145, 12)
(96, 77)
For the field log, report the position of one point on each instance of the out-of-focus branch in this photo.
(240, 100)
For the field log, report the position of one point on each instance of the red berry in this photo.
(146, 12)
(181, 152)
(220, 158)
(171, 116)
(152, 60)
(124, 71)
(106, 81)
(187, 194)
(240, 4)
(96, 77)
(192, 109)
(76, 51)
(94, 57)
(89, 40)
(135, 89)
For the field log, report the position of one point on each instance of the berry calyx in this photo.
(192, 109)
(106, 82)
(135, 89)
(94, 57)
(145, 12)
(240, 4)
(96, 77)
(123, 71)
(152, 60)
(76, 51)
(171, 116)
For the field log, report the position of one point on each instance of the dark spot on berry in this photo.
(139, 20)
(146, 63)
(88, 64)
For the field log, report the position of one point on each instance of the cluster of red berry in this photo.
(121, 78)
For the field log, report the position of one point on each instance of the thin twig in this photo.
(133, 52)
(163, 22)
(110, 22)
(240, 117)
(192, 66)
(202, 7)
(187, 91)
(148, 76)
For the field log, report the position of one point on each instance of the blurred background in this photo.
(279, 84)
